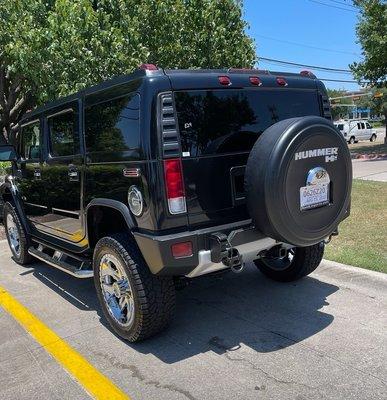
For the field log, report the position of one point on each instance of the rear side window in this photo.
(224, 121)
(113, 125)
(30, 141)
(63, 131)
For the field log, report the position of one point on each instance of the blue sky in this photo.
(290, 29)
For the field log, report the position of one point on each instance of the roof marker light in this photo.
(254, 80)
(224, 80)
(281, 81)
(308, 74)
(148, 67)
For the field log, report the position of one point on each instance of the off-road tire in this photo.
(154, 296)
(24, 257)
(305, 261)
(373, 138)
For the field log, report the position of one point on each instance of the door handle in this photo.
(73, 173)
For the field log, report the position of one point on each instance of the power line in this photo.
(343, 3)
(328, 69)
(307, 46)
(343, 81)
(331, 5)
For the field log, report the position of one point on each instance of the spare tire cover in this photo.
(290, 155)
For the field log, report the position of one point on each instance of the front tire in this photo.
(299, 262)
(351, 140)
(136, 303)
(373, 138)
(17, 237)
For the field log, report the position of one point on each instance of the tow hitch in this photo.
(222, 251)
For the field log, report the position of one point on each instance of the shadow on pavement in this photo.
(220, 313)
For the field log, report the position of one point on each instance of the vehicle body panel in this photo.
(213, 182)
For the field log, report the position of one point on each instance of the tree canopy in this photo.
(56, 47)
(372, 35)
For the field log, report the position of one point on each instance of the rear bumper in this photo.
(158, 254)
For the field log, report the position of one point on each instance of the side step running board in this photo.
(55, 261)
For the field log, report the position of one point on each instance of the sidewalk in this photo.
(374, 170)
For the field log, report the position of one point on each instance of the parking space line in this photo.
(93, 382)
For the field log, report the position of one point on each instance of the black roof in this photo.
(189, 78)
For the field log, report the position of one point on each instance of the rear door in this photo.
(218, 128)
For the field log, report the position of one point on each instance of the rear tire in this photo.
(373, 138)
(299, 262)
(136, 303)
(17, 237)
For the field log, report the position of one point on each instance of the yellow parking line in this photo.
(96, 384)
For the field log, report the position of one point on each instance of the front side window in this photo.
(114, 125)
(63, 133)
(224, 121)
(368, 125)
(30, 141)
(362, 125)
(340, 127)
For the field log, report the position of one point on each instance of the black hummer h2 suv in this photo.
(164, 174)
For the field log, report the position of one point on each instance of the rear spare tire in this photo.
(298, 180)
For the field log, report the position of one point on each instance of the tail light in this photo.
(174, 185)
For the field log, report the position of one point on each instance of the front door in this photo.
(62, 174)
(28, 174)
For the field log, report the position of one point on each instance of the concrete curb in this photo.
(357, 156)
(357, 270)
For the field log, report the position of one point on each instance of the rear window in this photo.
(224, 121)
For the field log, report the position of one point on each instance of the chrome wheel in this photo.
(280, 263)
(116, 290)
(13, 235)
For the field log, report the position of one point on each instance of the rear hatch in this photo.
(218, 128)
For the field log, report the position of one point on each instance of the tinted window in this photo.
(30, 141)
(113, 125)
(362, 125)
(368, 125)
(222, 121)
(63, 134)
(340, 127)
(358, 126)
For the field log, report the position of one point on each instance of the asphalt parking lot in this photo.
(237, 337)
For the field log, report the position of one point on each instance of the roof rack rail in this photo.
(249, 71)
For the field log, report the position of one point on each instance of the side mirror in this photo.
(7, 152)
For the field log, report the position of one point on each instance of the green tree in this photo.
(372, 35)
(337, 110)
(56, 47)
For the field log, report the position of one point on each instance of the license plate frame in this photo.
(314, 196)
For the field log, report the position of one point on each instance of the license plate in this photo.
(314, 196)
